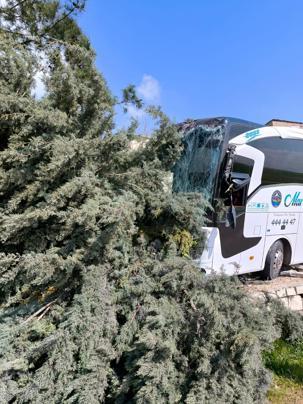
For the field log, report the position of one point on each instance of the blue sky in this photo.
(203, 58)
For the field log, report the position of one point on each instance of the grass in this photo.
(284, 390)
(286, 362)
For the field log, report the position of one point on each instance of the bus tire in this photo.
(274, 261)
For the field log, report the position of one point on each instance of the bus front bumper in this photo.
(205, 262)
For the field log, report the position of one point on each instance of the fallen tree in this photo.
(99, 299)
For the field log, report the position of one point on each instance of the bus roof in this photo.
(216, 121)
(232, 126)
(284, 132)
(240, 131)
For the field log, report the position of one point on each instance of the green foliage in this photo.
(129, 96)
(199, 340)
(97, 303)
(289, 322)
(286, 360)
(185, 242)
(43, 22)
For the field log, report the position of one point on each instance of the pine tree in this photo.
(50, 206)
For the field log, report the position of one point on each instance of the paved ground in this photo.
(276, 284)
(293, 277)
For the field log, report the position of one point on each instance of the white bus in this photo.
(252, 175)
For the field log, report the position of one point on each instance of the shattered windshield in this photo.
(197, 168)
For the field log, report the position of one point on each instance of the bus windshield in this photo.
(197, 168)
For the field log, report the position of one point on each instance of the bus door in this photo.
(255, 213)
(244, 227)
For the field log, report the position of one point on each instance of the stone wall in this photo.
(288, 289)
(291, 297)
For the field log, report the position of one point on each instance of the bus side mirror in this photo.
(239, 183)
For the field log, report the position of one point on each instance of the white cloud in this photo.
(135, 112)
(3, 3)
(149, 88)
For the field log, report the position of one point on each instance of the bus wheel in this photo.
(274, 261)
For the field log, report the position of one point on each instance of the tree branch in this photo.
(17, 4)
(47, 29)
(41, 310)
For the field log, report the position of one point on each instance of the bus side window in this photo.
(242, 168)
(283, 160)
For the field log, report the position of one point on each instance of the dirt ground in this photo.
(284, 391)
